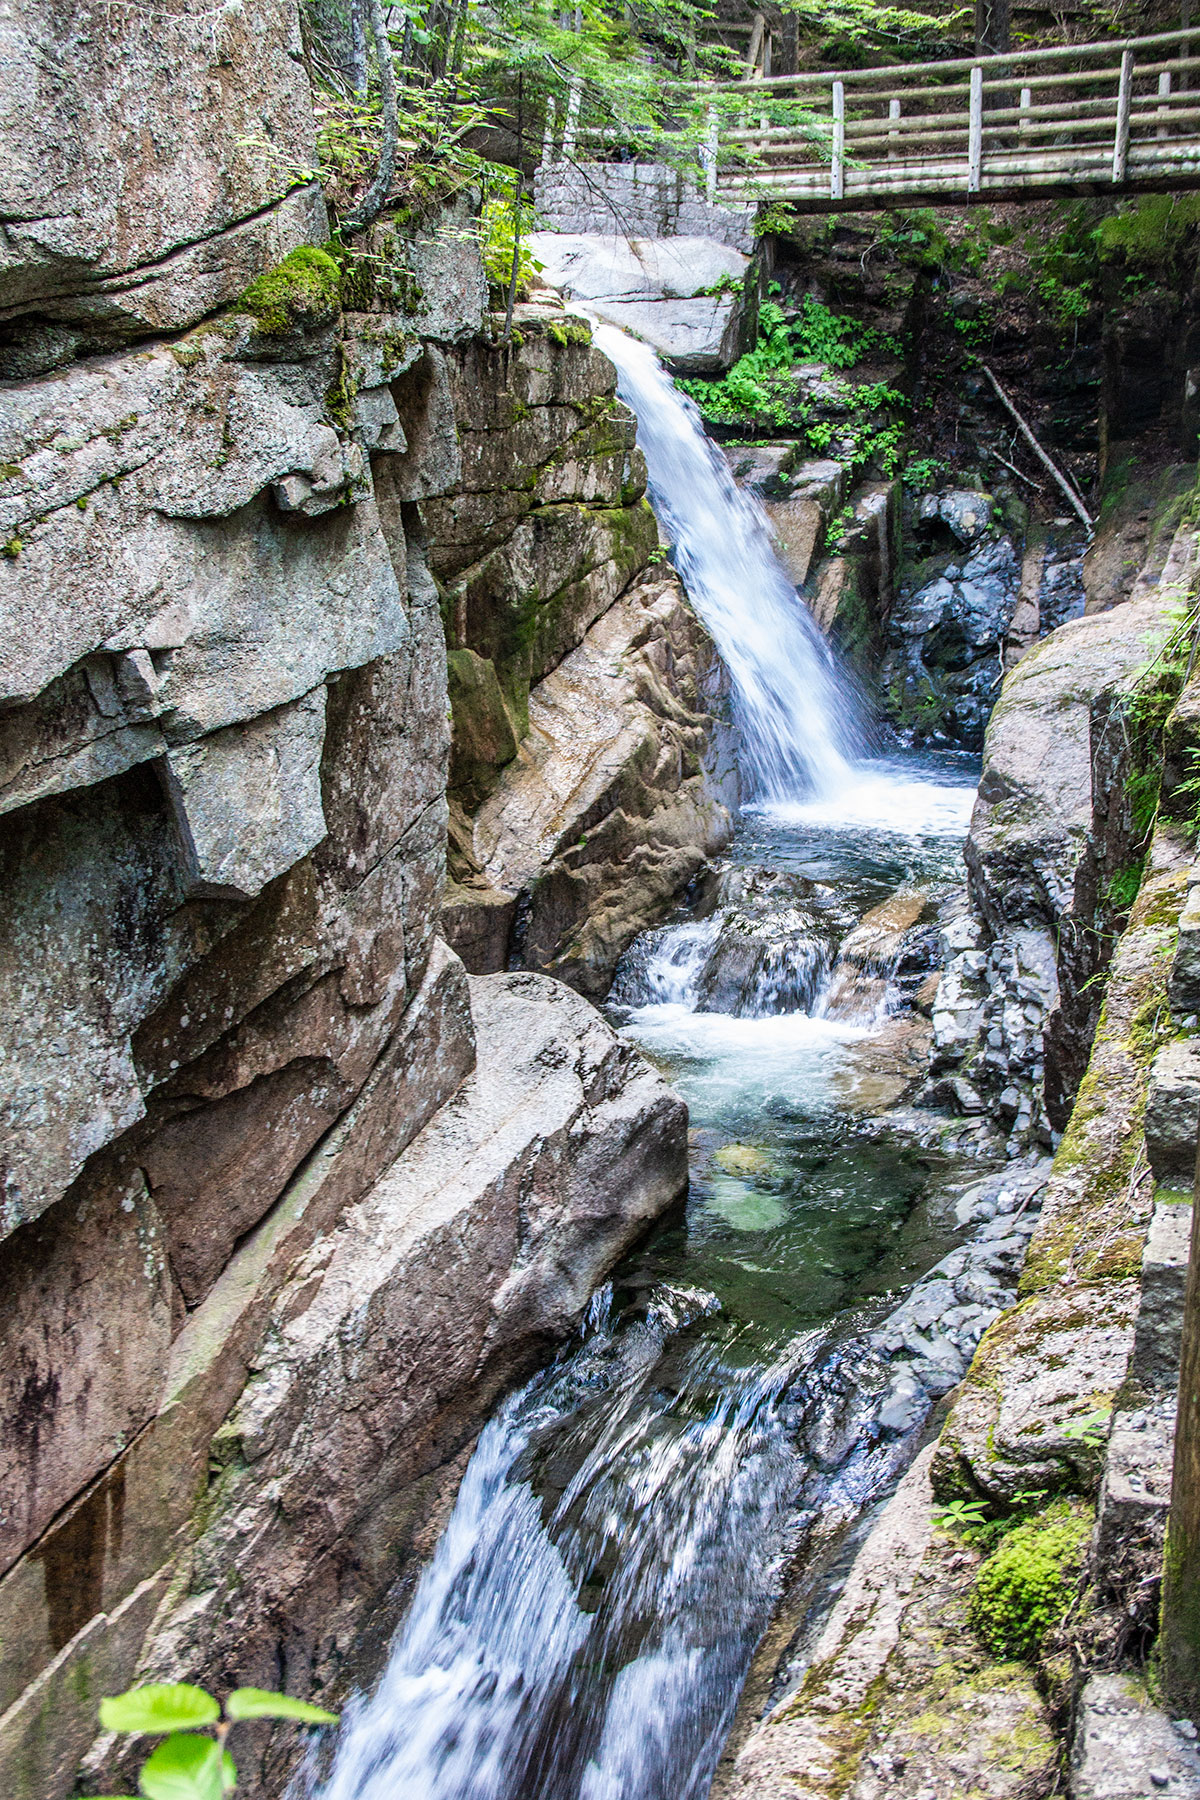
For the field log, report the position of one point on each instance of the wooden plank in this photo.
(975, 132)
(895, 136)
(754, 51)
(837, 166)
(946, 185)
(1121, 140)
(1015, 60)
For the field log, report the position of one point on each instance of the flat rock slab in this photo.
(1127, 1749)
(899, 1698)
(682, 295)
(592, 267)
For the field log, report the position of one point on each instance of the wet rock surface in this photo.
(1014, 1014)
(931, 1337)
(893, 1693)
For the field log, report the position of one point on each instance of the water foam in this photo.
(798, 730)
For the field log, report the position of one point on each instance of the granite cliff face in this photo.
(288, 1197)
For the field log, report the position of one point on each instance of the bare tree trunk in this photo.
(358, 48)
(993, 27)
(372, 201)
(514, 275)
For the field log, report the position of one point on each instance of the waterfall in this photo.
(583, 1628)
(621, 1532)
(796, 720)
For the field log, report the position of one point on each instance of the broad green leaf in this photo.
(162, 1706)
(184, 1767)
(258, 1703)
(228, 1773)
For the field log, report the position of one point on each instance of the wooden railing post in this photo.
(837, 171)
(1164, 93)
(893, 130)
(1026, 103)
(1121, 141)
(975, 132)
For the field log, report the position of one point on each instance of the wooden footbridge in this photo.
(1116, 117)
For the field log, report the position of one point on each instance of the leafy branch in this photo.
(191, 1764)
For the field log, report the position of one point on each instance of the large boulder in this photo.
(142, 185)
(470, 1255)
(617, 795)
(684, 296)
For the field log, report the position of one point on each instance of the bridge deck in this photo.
(1122, 116)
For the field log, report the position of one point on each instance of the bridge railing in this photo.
(1086, 116)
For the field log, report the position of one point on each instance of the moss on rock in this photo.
(298, 294)
(1022, 1591)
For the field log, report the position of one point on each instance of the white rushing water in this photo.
(612, 1559)
(798, 730)
(605, 1573)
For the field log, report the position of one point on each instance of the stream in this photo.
(629, 1518)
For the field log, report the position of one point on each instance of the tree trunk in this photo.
(993, 27)
(1180, 1636)
(358, 48)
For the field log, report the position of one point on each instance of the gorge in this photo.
(599, 934)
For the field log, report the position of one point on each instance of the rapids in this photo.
(628, 1519)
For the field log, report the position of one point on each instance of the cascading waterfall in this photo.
(798, 726)
(614, 1554)
(585, 1624)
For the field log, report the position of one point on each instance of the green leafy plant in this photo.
(921, 473)
(1122, 889)
(498, 222)
(191, 1764)
(775, 217)
(960, 1515)
(1185, 796)
(1091, 1430)
(820, 335)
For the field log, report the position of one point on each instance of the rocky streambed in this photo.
(746, 1383)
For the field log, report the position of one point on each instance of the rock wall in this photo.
(137, 196)
(636, 200)
(590, 771)
(288, 1199)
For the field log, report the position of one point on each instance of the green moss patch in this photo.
(300, 293)
(1023, 1590)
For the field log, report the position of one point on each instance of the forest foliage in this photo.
(481, 82)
